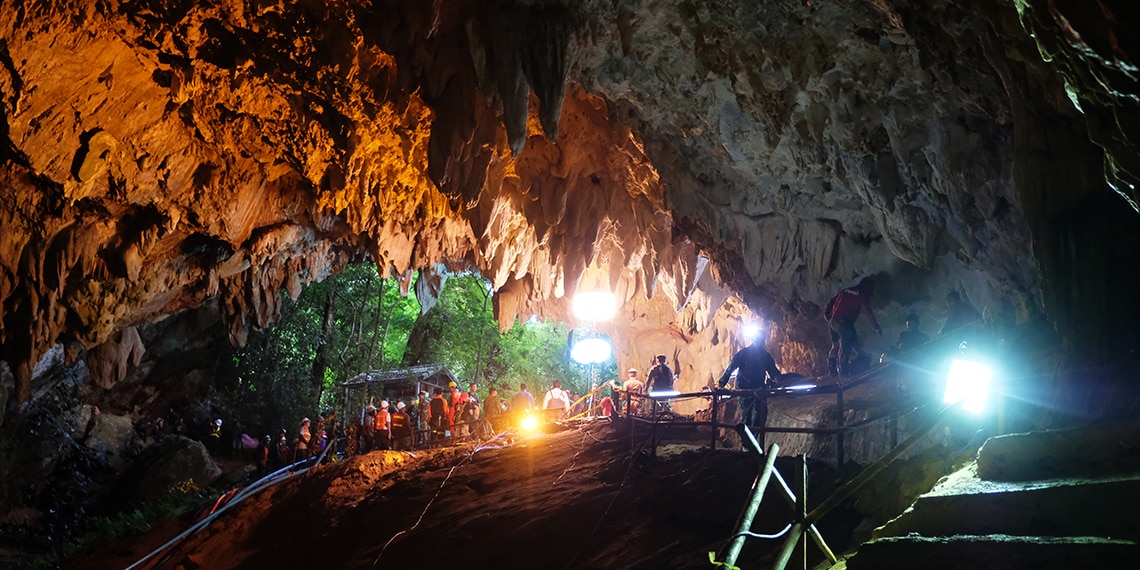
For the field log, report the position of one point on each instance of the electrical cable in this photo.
(253, 488)
(451, 471)
(757, 535)
(598, 525)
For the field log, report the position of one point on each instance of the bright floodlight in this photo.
(529, 423)
(591, 351)
(968, 382)
(594, 306)
(802, 387)
(664, 394)
(751, 331)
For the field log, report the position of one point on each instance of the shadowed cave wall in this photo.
(707, 162)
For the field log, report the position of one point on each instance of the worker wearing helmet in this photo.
(301, 450)
(383, 434)
(401, 428)
(455, 398)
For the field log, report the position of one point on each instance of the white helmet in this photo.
(401, 406)
(384, 404)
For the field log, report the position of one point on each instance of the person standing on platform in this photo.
(755, 369)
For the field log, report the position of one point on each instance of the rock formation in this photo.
(704, 161)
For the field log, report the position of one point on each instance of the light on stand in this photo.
(968, 382)
(591, 351)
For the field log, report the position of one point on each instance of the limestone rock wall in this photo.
(707, 162)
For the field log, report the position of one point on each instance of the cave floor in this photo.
(578, 498)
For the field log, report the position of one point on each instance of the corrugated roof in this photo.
(418, 373)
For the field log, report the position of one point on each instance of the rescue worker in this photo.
(661, 380)
(215, 436)
(660, 377)
(523, 401)
(401, 428)
(368, 429)
(841, 313)
(454, 401)
(471, 395)
(438, 414)
(959, 314)
(556, 398)
(755, 369)
(383, 435)
(421, 413)
(283, 448)
(911, 337)
(492, 408)
(263, 457)
(301, 450)
(468, 414)
(633, 388)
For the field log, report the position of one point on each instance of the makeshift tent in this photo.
(393, 385)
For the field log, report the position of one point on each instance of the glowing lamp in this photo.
(802, 387)
(751, 331)
(664, 394)
(591, 351)
(529, 423)
(968, 382)
(594, 306)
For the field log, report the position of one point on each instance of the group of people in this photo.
(386, 426)
(660, 379)
(846, 306)
(754, 368)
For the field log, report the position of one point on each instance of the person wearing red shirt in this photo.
(841, 312)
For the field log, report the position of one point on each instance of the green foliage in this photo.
(461, 331)
(374, 328)
(181, 499)
(272, 378)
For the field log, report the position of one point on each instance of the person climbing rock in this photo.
(959, 314)
(841, 313)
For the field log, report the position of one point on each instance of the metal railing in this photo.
(646, 409)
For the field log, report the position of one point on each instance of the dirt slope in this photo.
(580, 498)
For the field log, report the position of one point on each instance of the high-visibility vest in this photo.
(382, 417)
(399, 421)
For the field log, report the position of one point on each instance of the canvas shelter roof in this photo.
(431, 374)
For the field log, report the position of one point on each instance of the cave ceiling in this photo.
(706, 161)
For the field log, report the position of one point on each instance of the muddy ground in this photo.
(582, 497)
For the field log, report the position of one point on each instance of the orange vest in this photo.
(399, 421)
(382, 420)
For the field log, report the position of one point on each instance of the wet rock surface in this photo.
(709, 163)
(768, 153)
(581, 489)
